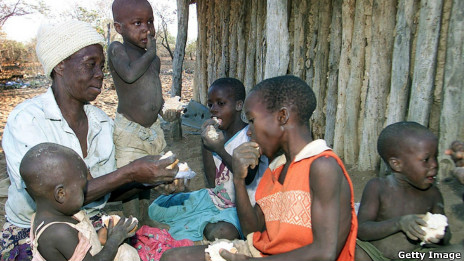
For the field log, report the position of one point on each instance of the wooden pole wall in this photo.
(370, 62)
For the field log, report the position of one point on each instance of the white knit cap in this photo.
(59, 41)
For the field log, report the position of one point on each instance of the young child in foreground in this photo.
(304, 202)
(392, 207)
(210, 213)
(55, 177)
(135, 69)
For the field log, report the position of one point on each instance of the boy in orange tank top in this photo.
(304, 202)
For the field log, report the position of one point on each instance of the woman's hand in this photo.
(178, 185)
(151, 170)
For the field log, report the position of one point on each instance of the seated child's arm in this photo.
(326, 181)
(209, 166)
(244, 157)
(129, 71)
(210, 146)
(371, 229)
(59, 241)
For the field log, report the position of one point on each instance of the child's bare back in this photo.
(389, 200)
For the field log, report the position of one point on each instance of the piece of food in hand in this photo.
(173, 103)
(212, 133)
(212, 252)
(436, 225)
(116, 218)
(184, 167)
(172, 165)
(167, 155)
(185, 172)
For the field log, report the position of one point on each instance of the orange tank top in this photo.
(287, 210)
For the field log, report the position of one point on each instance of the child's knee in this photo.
(220, 230)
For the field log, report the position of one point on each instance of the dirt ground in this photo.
(188, 148)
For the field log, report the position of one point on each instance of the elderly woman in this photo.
(71, 54)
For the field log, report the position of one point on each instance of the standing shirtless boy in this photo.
(135, 68)
(392, 207)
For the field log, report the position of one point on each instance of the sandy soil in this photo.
(188, 149)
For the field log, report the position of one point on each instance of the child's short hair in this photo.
(41, 167)
(119, 5)
(288, 91)
(393, 136)
(236, 87)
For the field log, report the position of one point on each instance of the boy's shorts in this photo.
(375, 254)
(133, 141)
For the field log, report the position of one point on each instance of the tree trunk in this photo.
(300, 8)
(108, 34)
(320, 71)
(425, 61)
(400, 82)
(277, 53)
(348, 8)
(202, 51)
(379, 81)
(164, 37)
(452, 116)
(241, 40)
(334, 62)
(224, 11)
(211, 34)
(435, 109)
(355, 81)
(251, 47)
(312, 39)
(261, 40)
(233, 55)
(179, 52)
(217, 46)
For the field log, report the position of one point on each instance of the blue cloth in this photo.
(187, 214)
